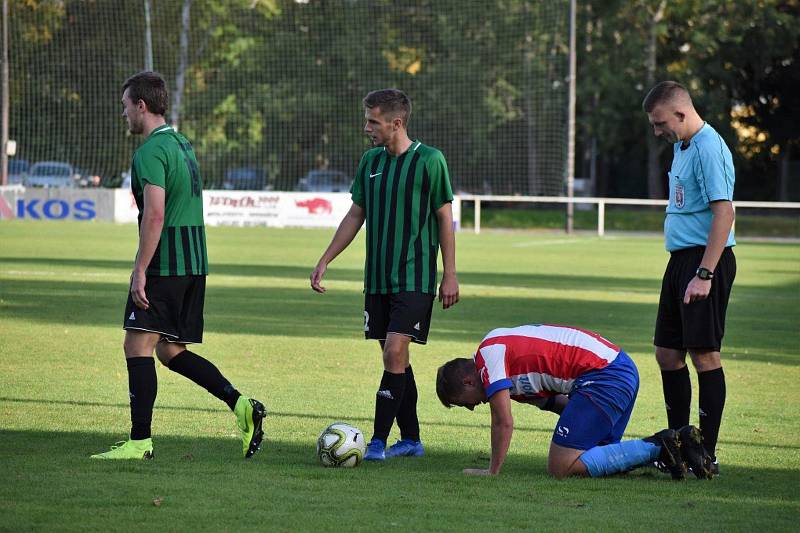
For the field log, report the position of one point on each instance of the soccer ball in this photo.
(341, 444)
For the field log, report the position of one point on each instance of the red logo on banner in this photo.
(316, 206)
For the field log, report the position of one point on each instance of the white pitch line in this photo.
(545, 243)
(60, 273)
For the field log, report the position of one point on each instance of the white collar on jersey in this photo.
(161, 129)
(412, 148)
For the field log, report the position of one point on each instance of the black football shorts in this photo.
(406, 313)
(699, 325)
(176, 308)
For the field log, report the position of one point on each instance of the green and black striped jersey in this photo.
(166, 159)
(401, 196)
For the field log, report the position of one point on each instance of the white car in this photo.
(50, 174)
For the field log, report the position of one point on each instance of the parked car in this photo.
(17, 168)
(324, 181)
(51, 174)
(245, 179)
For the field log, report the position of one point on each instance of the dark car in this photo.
(245, 179)
(324, 181)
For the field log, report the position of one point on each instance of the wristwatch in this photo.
(704, 274)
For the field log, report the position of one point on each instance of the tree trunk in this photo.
(783, 176)
(180, 78)
(655, 181)
(148, 37)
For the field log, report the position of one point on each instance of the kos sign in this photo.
(55, 209)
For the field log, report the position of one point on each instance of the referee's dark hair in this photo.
(150, 88)
(390, 101)
(664, 92)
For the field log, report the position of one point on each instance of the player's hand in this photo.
(477, 472)
(697, 289)
(138, 280)
(316, 277)
(448, 291)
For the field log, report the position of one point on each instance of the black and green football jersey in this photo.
(166, 159)
(401, 196)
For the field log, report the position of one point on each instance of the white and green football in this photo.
(341, 444)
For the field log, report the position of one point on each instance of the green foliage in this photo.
(277, 84)
(64, 390)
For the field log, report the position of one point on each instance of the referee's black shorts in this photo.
(176, 308)
(699, 325)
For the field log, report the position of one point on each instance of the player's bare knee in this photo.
(670, 359)
(166, 351)
(704, 361)
(558, 470)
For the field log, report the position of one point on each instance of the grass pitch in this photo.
(63, 390)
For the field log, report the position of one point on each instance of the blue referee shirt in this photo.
(701, 173)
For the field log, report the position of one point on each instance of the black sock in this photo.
(142, 389)
(712, 402)
(204, 373)
(387, 402)
(677, 395)
(407, 419)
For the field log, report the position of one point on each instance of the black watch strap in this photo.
(704, 273)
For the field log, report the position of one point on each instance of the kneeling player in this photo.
(583, 377)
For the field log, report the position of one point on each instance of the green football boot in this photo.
(130, 449)
(249, 414)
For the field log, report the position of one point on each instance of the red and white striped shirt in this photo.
(540, 360)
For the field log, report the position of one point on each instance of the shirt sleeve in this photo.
(441, 191)
(357, 189)
(150, 166)
(495, 370)
(715, 174)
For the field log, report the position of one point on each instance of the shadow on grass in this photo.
(481, 422)
(287, 462)
(299, 312)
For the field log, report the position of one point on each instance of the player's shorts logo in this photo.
(366, 321)
(562, 431)
(679, 199)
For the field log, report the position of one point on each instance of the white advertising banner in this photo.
(275, 209)
(125, 210)
(264, 208)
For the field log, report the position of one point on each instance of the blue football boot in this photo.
(406, 448)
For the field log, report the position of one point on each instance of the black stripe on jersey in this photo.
(196, 247)
(423, 214)
(408, 205)
(381, 214)
(433, 251)
(187, 251)
(393, 217)
(370, 183)
(173, 257)
(201, 230)
(155, 262)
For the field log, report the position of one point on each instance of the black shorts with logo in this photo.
(176, 308)
(406, 313)
(701, 324)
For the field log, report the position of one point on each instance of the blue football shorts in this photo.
(600, 406)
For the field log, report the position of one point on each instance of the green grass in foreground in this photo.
(63, 390)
